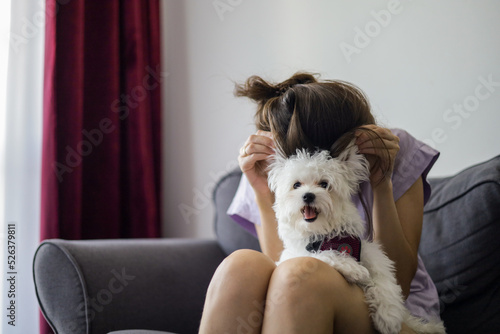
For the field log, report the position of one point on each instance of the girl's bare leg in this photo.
(235, 297)
(249, 294)
(306, 295)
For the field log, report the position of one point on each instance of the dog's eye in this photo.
(296, 185)
(323, 184)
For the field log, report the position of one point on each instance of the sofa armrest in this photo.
(98, 286)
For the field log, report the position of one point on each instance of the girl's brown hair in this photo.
(303, 112)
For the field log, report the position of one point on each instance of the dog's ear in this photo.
(349, 153)
(274, 170)
(355, 162)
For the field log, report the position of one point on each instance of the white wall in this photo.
(418, 63)
(21, 163)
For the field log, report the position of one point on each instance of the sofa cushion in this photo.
(460, 247)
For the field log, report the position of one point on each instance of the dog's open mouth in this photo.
(310, 213)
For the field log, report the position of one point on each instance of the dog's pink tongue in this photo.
(309, 212)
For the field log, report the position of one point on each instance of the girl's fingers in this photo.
(386, 147)
(379, 152)
(384, 133)
(374, 127)
(264, 133)
(261, 142)
(248, 162)
(258, 148)
(363, 139)
(389, 143)
(253, 148)
(379, 144)
(252, 159)
(391, 146)
(368, 146)
(262, 139)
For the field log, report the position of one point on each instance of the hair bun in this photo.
(260, 90)
(297, 79)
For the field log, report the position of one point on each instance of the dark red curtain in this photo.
(101, 163)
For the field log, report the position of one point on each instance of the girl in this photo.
(248, 292)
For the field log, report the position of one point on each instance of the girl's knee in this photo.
(305, 277)
(236, 293)
(242, 272)
(306, 285)
(246, 262)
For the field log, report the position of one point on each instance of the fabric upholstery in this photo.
(460, 247)
(230, 236)
(98, 286)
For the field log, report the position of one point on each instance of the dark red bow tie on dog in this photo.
(350, 245)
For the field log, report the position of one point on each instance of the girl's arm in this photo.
(253, 162)
(269, 241)
(396, 225)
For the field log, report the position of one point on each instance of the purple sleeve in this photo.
(414, 159)
(243, 208)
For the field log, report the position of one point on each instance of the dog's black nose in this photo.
(308, 197)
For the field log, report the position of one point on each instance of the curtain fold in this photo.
(101, 156)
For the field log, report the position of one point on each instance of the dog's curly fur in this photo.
(333, 182)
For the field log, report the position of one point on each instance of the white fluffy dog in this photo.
(317, 218)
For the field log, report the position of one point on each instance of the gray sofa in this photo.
(102, 286)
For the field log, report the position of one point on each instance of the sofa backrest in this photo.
(461, 249)
(230, 235)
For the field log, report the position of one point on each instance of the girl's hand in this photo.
(253, 160)
(375, 148)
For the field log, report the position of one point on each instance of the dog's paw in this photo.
(356, 274)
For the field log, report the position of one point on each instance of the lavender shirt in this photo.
(414, 159)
